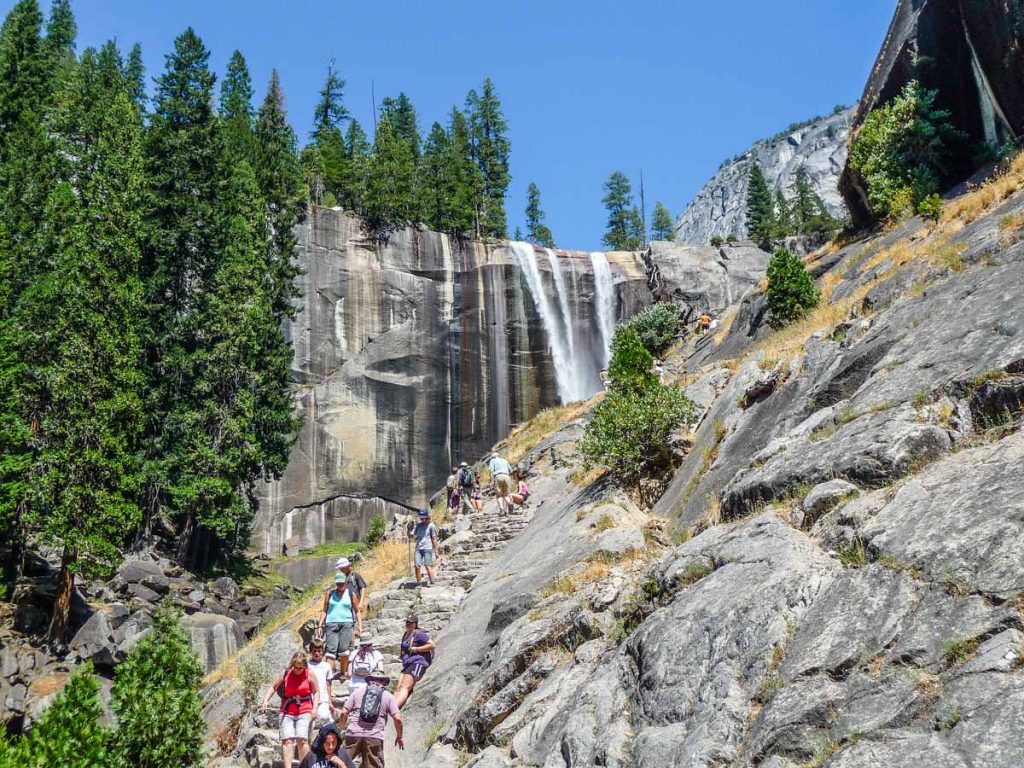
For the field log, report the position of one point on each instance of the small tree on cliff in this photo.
(791, 293)
(661, 223)
(625, 227)
(156, 698)
(536, 230)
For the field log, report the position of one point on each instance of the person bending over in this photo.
(417, 656)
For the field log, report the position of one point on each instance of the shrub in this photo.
(631, 363)
(631, 426)
(731, 239)
(931, 207)
(156, 698)
(657, 327)
(378, 527)
(68, 733)
(791, 293)
(253, 674)
(716, 241)
(901, 150)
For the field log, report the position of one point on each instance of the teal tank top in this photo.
(339, 609)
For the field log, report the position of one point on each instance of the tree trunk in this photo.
(62, 605)
(185, 540)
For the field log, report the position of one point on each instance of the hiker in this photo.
(417, 654)
(426, 545)
(328, 750)
(364, 717)
(355, 582)
(338, 617)
(467, 482)
(501, 476)
(704, 323)
(363, 662)
(454, 497)
(477, 499)
(522, 491)
(322, 670)
(300, 698)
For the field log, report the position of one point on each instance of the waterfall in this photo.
(604, 298)
(571, 383)
(563, 301)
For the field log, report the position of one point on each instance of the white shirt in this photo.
(376, 658)
(321, 670)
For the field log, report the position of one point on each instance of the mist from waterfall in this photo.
(575, 377)
(604, 299)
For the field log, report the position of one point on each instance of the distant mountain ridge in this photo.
(819, 145)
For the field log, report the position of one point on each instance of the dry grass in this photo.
(726, 325)
(582, 477)
(604, 523)
(383, 564)
(712, 511)
(970, 206)
(525, 437)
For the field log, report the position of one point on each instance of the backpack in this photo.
(361, 667)
(466, 478)
(373, 700)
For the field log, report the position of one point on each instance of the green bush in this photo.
(68, 733)
(630, 428)
(931, 207)
(791, 293)
(731, 239)
(901, 150)
(378, 527)
(156, 698)
(657, 327)
(631, 363)
(716, 241)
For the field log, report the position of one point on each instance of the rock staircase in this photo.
(468, 543)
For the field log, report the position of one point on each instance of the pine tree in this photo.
(279, 175)
(156, 699)
(135, 75)
(84, 318)
(805, 201)
(783, 216)
(536, 230)
(467, 179)
(69, 731)
(436, 180)
(330, 111)
(357, 167)
(760, 209)
(61, 31)
(488, 129)
(402, 116)
(391, 200)
(236, 112)
(661, 224)
(625, 228)
(324, 159)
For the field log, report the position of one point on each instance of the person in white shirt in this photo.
(363, 661)
(321, 669)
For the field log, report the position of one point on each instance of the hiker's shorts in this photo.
(503, 484)
(295, 726)
(424, 557)
(370, 750)
(415, 669)
(337, 639)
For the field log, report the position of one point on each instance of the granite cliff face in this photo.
(422, 352)
(720, 207)
(972, 53)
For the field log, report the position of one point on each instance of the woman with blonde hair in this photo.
(300, 697)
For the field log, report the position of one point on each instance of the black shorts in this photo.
(415, 669)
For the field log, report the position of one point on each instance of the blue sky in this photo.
(588, 86)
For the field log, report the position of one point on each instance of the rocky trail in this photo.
(467, 543)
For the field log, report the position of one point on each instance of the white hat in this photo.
(343, 562)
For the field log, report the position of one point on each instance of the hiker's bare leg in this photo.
(406, 684)
(287, 751)
(430, 573)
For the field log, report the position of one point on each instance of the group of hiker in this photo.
(315, 731)
(509, 486)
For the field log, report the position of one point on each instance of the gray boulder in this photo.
(95, 641)
(214, 638)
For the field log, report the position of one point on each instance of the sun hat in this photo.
(379, 679)
(343, 562)
(365, 640)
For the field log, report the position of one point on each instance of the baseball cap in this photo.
(463, 464)
(340, 578)
(412, 618)
(424, 513)
(343, 562)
